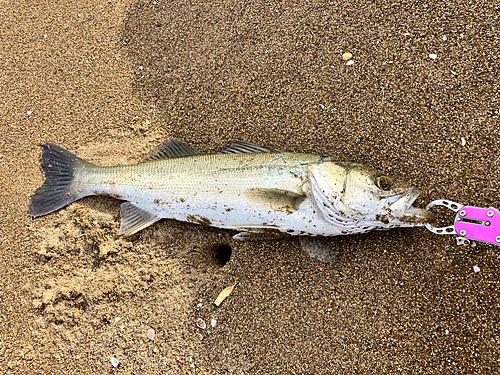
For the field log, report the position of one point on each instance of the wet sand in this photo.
(110, 80)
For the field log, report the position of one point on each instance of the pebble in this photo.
(29, 113)
(347, 56)
(350, 62)
(476, 269)
(114, 362)
(117, 319)
(433, 56)
(462, 140)
(200, 323)
(151, 334)
(213, 322)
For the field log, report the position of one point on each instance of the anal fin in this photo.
(135, 218)
(318, 248)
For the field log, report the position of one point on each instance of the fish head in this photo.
(357, 196)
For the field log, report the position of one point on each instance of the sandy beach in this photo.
(110, 80)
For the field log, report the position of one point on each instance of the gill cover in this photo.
(328, 183)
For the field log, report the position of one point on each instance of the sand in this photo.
(111, 79)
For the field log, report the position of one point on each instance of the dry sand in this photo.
(111, 79)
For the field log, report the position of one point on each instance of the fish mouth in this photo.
(401, 206)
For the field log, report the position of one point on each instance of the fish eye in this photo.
(384, 182)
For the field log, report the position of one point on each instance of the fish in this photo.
(244, 187)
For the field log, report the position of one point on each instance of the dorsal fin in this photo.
(242, 147)
(170, 149)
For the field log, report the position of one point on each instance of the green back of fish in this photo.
(211, 172)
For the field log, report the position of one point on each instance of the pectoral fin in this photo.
(275, 199)
(134, 218)
(318, 248)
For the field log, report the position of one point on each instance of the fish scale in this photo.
(205, 173)
(208, 187)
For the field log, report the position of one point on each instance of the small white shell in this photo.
(213, 322)
(433, 56)
(114, 362)
(200, 323)
(476, 269)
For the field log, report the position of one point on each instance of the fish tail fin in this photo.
(60, 167)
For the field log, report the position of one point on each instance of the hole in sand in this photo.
(210, 257)
(224, 253)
